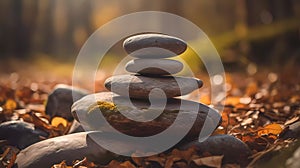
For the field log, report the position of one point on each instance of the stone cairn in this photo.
(152, 82)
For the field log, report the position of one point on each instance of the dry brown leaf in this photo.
(38, 122)
(292, 120)
(113, 164)
(62, 164)
(274, 129)
(10, 104)
(232, 100)
(225, 120)
(12, 160)
(56, 121)
(83, 163)
(137, 160)
(160, 160)
(211, 161)
(169, 163)
(205, 99)
(127, 164)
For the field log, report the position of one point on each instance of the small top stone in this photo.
(152, 45)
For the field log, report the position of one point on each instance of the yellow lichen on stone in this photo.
(104, 107)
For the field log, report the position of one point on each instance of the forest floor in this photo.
(258, 110)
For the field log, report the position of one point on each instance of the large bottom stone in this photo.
(69, 147)
(87, 111)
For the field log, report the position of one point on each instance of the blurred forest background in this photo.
(256, 32)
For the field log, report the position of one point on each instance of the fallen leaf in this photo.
(61, 165)
(56, 121)
(116, 164)
(38, 122)
(10, 104)
(205, 99)
(159, 160)
(12, 160)
(292, 120)
(83, 163)
(211, 161)
(274, 129)
(232, 100)
(137, 160)
(127, 164)
(113, 164)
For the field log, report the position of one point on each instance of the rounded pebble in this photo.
(61, 99)
(153, 45)
(20, 134)
(233, 149)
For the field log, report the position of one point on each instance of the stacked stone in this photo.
(150, 90)
(152, 69)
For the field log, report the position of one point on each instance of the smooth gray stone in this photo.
(68, 147)
(233, 149)
(153, 45)
(294, 161)
(61, 99)
(20, 134)
(86, 111)
(284, 156)
(293, 131)
(137, 86)
(154, 66)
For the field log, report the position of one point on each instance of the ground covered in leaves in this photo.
(258, 110)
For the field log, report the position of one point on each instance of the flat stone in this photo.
(87, 111)
(233, 149)
(68, 147)
(283, 156)
(292, 131)
(154, 66)
(137, 86)
(153, 45)
(61, 99)
(20, 134)
(293, 162)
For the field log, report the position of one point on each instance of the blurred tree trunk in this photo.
(19, 36)
(272, 50)
(241, 28)
(23, 16)
(281, 9)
